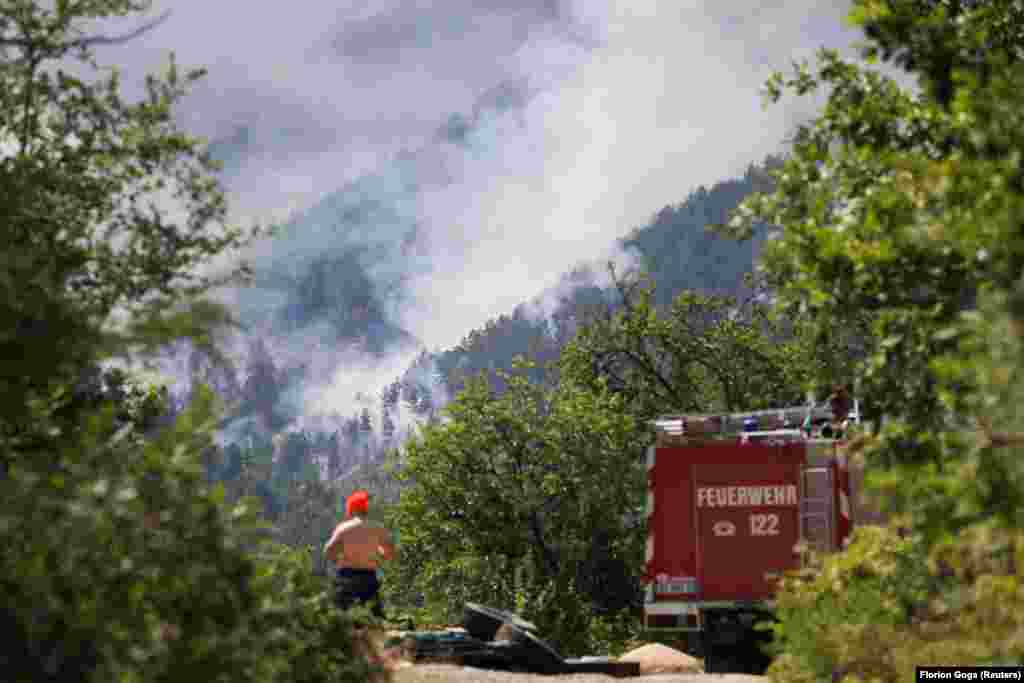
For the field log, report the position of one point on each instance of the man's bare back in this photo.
(358, 544)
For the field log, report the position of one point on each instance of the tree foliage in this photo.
(511, 493)
(124, 563)
(906, 206)
(703, 354)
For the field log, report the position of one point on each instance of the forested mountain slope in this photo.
(674, 249)
(267, 458)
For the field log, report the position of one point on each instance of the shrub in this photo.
(571, 622)
(561, 615)
(121, 564)
(959, 603)
(845, 597)
(312, 641)
(612, 634)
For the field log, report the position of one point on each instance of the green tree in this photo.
(703, 354)
(124, 564)
(309, 520)
(262, 390)
(509, 493)
(294, 455)
(906, 206)
(233, 460)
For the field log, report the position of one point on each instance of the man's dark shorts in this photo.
(357, 586)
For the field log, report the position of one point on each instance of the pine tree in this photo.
(387, 427)
(334, 456)
(366, 435)
(262, 390)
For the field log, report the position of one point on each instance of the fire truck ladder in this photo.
(817, 508)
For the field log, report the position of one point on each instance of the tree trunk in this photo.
(550, 558)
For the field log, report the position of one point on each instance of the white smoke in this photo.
(604, 112)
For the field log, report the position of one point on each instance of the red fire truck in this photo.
(730, 499)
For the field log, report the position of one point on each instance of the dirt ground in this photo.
(447, 673)
(406, 672)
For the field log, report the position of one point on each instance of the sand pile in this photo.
(655, 658)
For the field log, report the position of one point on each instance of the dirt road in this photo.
(404, 671)
(448, 673)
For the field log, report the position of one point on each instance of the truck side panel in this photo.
(672, 563)
(671, 519)
(747, 528)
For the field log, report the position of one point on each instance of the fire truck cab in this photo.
(731, 501)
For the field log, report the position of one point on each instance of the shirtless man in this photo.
(356, 547)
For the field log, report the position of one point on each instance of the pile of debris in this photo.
(494, 639)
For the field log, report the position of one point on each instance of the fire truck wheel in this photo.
(694, 644)
(725, 642)
(721, 660)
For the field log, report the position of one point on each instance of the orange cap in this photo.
(358, 502)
